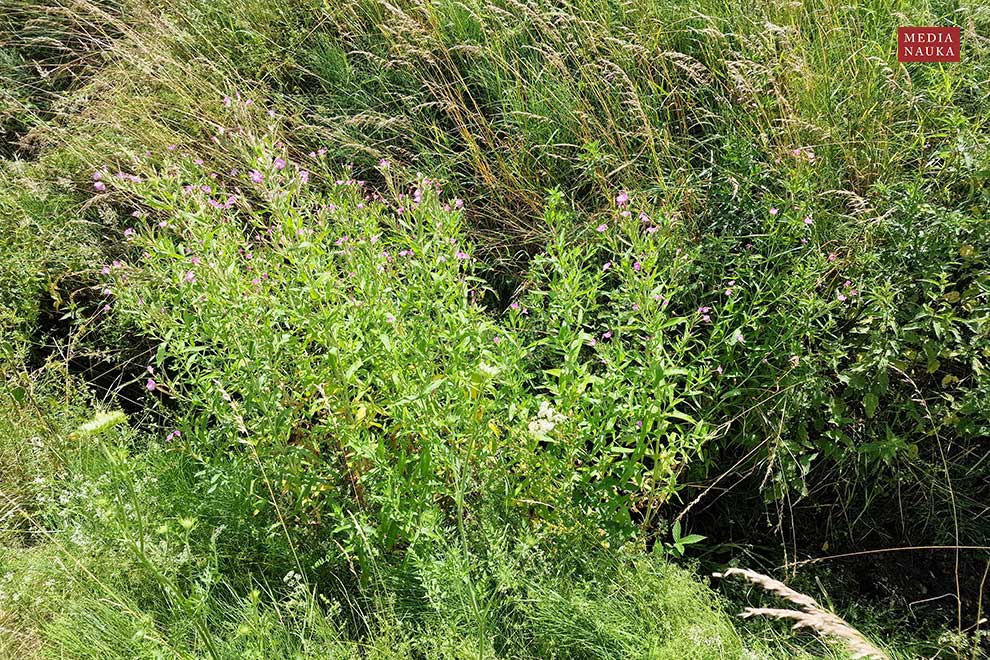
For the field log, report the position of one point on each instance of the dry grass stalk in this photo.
(811, 615)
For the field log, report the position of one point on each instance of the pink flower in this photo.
(832, 256)
(622, 199)
(637, 266)
(514, 305)
(172, 435)
(774, 211)
(189, 276)
(279, 164)
(226, 101)
(256, 281)
(719, 370)
(608, 264)
(105, 270)
(304, 176)
(390, 318)
(652, 230)
(706, 318)
(129, 232)
(100, 186)
(496, 339)
(97, 176)
(607, 334)
(807, 220)
(151, 385)
(841, 297)
(462, 255)
(635, 307)
(600, 228)
(728, 292)
(256, 176)
(384, 164)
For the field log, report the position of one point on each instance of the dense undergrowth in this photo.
(450, 329)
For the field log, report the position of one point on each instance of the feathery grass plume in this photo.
(813, 615)
(101, 421)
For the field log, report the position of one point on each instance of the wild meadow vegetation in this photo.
(493, 328)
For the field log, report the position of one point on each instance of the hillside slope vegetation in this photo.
(492, 328)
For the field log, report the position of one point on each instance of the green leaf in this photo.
(870, 402)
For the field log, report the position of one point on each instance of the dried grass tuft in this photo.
(811, 615)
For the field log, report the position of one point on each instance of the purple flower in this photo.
(637, 266)
(172, 435)
(256, 176)
(105, 270)
(100, 186)
(384, 164)
(97, 176)
(189, 276)
(600, 228)
(774, 211)
(304, 176)
(279, 164)
(622, 199)
(461, 255)
(807, 220)
(129, 232)
(608, 264)
(151, 385)
(607, 334)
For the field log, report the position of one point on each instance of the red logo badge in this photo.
(927, 44)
